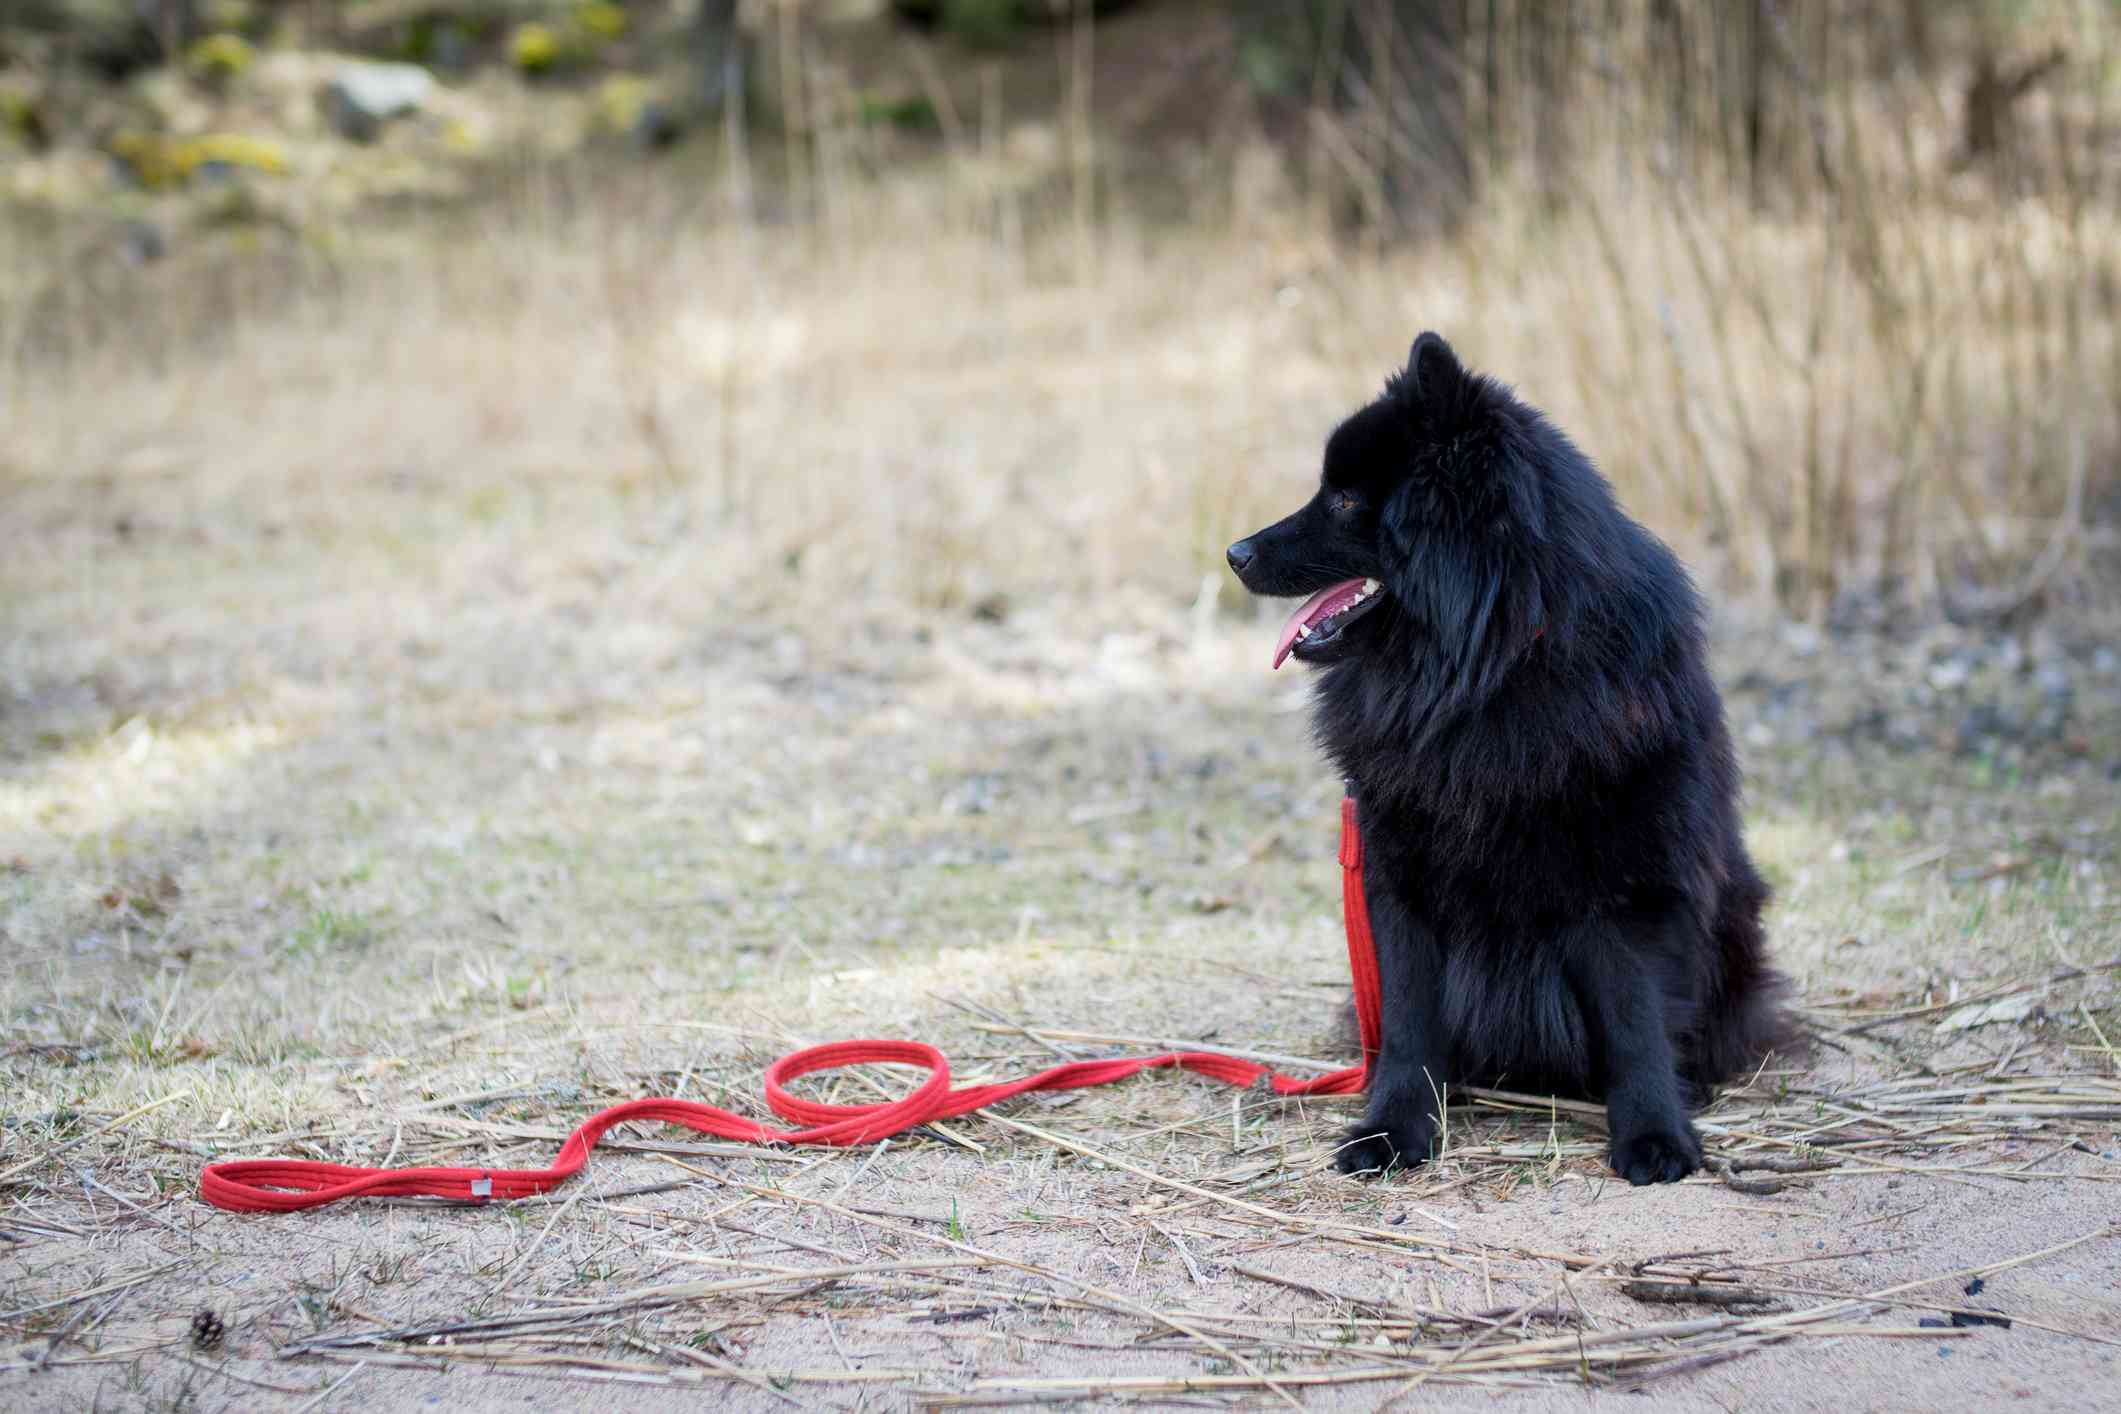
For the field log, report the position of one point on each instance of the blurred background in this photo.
(950, 302)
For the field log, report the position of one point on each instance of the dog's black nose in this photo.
(1240, 555)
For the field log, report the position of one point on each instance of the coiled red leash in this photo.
(288, 1185)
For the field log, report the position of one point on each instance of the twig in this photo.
(1694, 1293)
(642, 1299)
(1003, 1024)
(516, 1267)
(1192, 1267)
(735, 1372)
(1162, 1043)
(222, 1372)
(65, 1332)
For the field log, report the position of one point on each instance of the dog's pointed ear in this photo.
(1440, 395)
(1434, 373)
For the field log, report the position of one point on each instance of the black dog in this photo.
(1515, 686)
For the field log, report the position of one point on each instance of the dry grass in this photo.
(837, 368)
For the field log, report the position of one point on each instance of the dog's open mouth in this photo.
(1321, 617)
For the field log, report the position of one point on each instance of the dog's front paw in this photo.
(1373, 1148)
(1664, 1154)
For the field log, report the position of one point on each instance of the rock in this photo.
(362, 97)
(154, 161)
(219, 59)
(144, 159)
(534, 48)
(219, 154)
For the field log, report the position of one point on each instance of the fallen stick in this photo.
(1694, 1293)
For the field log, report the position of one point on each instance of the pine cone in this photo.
(207, 1330)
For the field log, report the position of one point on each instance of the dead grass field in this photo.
(507, 681)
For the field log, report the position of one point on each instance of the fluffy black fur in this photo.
(1560, 893)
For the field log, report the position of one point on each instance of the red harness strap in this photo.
(287, 1185)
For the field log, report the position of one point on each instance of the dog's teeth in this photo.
(1303, 630)
(1371, 586)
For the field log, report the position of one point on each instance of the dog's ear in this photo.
(1440, 396)
(1433, 371)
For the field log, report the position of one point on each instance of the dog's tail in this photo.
(1747, 1018)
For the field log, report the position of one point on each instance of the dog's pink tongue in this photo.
(1325, 603)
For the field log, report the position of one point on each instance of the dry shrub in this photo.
(984, 377)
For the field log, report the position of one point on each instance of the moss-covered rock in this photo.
(23, 118)
(157, 162)
(534, 48)
(568, 41)
(220, 58)
(239, 151)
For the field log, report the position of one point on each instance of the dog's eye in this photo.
(1344, 502)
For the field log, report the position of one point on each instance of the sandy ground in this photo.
(1111, 829)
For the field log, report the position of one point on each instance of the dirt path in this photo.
(444, 924)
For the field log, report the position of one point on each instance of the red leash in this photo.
(287, 1185)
